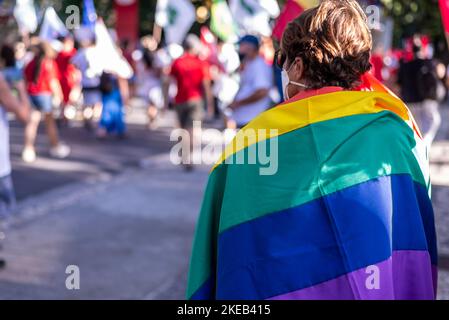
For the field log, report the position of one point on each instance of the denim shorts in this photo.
(42, 102)
(7, 197)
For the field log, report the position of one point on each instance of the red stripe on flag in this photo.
(127, 13)
(444, 8)
(291, 10)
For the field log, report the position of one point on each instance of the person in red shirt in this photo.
(41, 75)
(193, 81)
(68, 74)
(378, 63)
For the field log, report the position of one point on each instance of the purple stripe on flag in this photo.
(435, 279)
(407, 275)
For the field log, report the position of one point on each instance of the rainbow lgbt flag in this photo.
(346, 215)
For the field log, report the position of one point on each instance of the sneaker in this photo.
(28, 155)
(61, 151)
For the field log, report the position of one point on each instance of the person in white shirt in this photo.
(149, 80)
(226, 80)
(256, 80)
(21, 108)
(89, 62)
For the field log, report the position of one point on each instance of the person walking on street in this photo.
(20, 107)
(43, 87)
(68, 74)
(114, 86)
(256, 80)
(149, 79)
(420, 89)
(89, 62)
(193, 84)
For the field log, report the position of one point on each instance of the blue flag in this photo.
(89, 14)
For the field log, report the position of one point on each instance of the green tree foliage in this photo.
(411, 16)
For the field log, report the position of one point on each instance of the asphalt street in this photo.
(90, 157)
(125, 215)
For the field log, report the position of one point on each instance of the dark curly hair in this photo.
(334, 42)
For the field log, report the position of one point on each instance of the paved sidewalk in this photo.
(130, 236)
(133, 249)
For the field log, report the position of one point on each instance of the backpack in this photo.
(107, 82)
(427, 81)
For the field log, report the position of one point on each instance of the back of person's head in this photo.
(249, 46)
(8, 55)
(42, 50)
(250, 40)
(85, 37)
(192, 44)
(418, 47)
(334, 42)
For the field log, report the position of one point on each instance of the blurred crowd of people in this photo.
(69, 78)
(418, 78)
(88, 78)
(74, 77)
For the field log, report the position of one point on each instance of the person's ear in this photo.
(298, 69)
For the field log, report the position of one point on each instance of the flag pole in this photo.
(157, 32)
(444, 11)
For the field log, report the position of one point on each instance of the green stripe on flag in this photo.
(318, 160)
(313, 162)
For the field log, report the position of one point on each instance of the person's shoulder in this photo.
(178, 60)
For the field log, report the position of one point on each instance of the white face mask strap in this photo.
(299, 84)
(293, 82)
(289, 82)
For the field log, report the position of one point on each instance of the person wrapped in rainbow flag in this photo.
(347, 212)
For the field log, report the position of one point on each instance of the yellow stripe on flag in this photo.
(299, 114)
(307, 4)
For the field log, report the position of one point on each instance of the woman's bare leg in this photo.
(152, 116)
(31, 129)
(52, 130)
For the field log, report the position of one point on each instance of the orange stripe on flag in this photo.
(444, 8)
(307, 4)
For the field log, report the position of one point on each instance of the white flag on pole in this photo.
(271, 7)
(25, 15)
(111, 59)
(254, 15)
(176, 17)
(52, 27)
